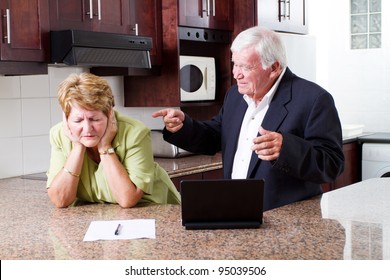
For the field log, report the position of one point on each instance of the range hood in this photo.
(95, 49)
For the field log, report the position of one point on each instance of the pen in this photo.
(117, 229)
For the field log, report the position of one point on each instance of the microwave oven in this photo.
(197, 78)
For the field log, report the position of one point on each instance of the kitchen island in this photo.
(320, 228)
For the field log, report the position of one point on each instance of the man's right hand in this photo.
(172, 118)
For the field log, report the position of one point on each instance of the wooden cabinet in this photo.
(133, 17)
(162, 88)
(146, 20)
(351, 173)
(212, 14)
(24, 30)
(283, 15)
(93, 15)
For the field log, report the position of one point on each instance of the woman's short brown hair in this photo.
(86, 90)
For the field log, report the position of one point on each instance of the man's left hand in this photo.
(268, 145)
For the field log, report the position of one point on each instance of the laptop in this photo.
(222, 203)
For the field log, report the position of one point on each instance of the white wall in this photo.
(29, 107)
(359, 80)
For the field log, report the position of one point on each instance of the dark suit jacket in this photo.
(311, 154)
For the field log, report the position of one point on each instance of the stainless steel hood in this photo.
(95, 49)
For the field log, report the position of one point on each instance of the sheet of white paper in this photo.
(129, 229)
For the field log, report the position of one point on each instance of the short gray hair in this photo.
(267, 43)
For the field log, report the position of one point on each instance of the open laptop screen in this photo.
(222, 203)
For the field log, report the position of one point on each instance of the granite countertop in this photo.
(190, 164)
(317, 228)
(187, 165)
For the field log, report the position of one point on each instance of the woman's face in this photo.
(87, 126)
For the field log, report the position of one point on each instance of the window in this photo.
(366, 24)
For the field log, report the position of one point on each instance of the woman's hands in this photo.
(110, 133)
(88, 127)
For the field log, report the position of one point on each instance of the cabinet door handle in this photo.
(90, 13)
(214, 7)
(286, 9)
(207, 10)
(135, 29)
(99, 10)
(8, 18)
(280, 9)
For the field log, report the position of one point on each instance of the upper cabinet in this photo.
(283, 15)
(24, 30)
(146, 20)
(163, 88)
(133, 17)
(94, 15)
(212, 14)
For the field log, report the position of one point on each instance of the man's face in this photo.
(251, 78)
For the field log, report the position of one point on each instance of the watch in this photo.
(109, 151)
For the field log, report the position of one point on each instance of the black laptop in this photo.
(222, 203)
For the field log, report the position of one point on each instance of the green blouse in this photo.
(133, 147)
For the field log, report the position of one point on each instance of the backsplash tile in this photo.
(10, 118)
(34, 86)
(57, 74)
(36, 154)
(9, 87)
(11, 151)
(35, 116)
(55, 112)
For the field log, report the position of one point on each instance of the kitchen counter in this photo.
(188, 165)
(348, 223)
(192, 164)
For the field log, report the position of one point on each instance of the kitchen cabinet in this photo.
(351, 173)
(92, 15)
(212, 14)
(146, 20)
(25, 30)
(161, 89)
(283, 15)
(133, 17)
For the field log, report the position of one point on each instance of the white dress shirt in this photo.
(251, 123)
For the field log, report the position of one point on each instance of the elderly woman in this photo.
(99, 155)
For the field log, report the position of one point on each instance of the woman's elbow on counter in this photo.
(127, 203)
(58, 200)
